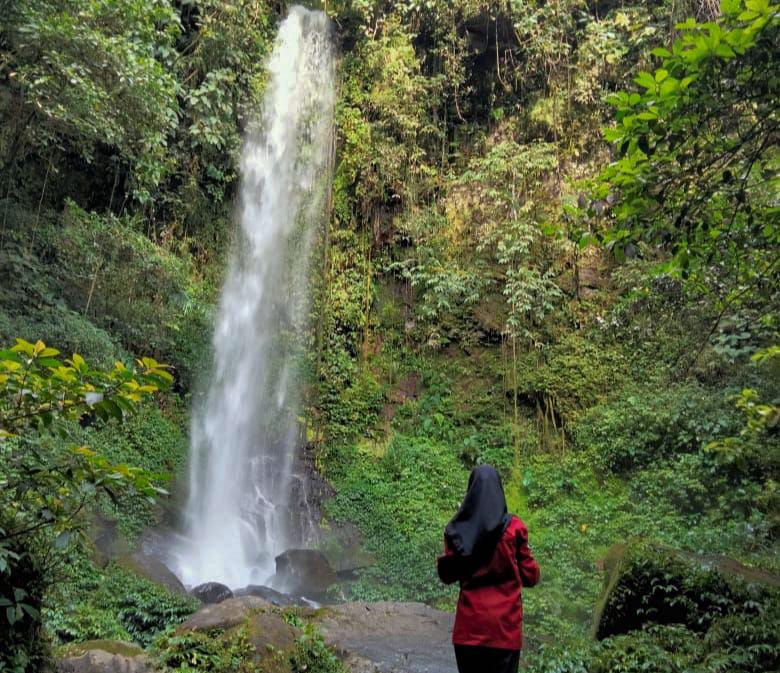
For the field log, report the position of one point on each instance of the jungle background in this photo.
(551, 246)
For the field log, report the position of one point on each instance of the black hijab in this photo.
(482, 518)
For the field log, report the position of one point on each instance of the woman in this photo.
(486, 550)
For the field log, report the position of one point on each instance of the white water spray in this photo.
(244, 434)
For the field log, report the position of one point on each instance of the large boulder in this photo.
(212, 592)
(250, 618)
(646, 582)
(303, 572)
(104, 656)
(224, 615)
(268, 632)
(390, 637)
(152, 569)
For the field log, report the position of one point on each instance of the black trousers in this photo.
(477, 659)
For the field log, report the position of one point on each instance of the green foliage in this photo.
(225, 651)
(650, 584)
(47, 483)
(222, 56)
(643, 425)
(89, 73)
(23, 580)
(575, 375)
(212, 651)
(490, 233)
(312, 655)
(383, 116)
(110, 604)
(154, 440)
(70, 330)
(137, 290)
(743, 643)
(400, 502)
(693, 157)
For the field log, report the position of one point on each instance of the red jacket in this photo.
(490, 607)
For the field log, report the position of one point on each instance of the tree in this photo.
(82, 75)
(696, 171)
(45, 483)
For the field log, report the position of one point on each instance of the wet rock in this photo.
(105, 656)
(212, 592)
(303, 572)
(274, 597)
(390, 637)
(152, 569)
(646, 582)
(224, 615)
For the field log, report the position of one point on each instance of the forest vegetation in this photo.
(552, 245)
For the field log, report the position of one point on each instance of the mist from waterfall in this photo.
(245, 432)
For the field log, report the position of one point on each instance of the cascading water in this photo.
(244, 433)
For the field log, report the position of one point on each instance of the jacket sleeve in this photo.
(449, 565)
(529, 568)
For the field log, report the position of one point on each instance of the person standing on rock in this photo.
(486, 550)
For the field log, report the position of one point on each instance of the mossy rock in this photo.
(225, 615)
(111, 646)
(648, 583)
(246, 627)
(104, 656)
(151, 569)
(271, 638)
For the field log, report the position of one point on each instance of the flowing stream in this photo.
(242, 507)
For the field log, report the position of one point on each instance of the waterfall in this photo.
(244, 430)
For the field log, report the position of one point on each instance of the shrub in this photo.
(400, 502)
(312, 655)
(649, 583)
(70, 330)
(90, 604)
(577, 374)
(133, 288)
(213, 652)
(155, 440)
(643, 425)
(23, 580)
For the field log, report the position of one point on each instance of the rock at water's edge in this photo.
(303, 572)
(212, 592)
(271, 595)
